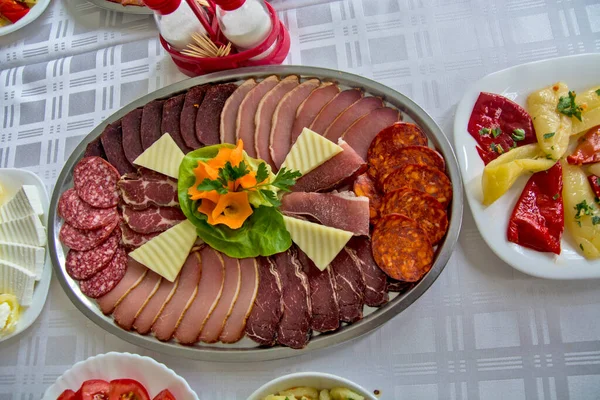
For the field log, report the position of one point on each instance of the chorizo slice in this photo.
(364, 186)
(422, 178)
(420, 155)
(401, 248)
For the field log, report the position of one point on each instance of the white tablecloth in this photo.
(482, 331)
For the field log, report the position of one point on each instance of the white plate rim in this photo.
(109, 5)
(32, 15)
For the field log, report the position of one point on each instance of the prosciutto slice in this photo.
(334, 108)
(129, 308)
(360, 135)
(376, 282)
(338, 210)
(146, 317)
(310, 108)
(230, 111)
(134, 275)
(152, 219)
(349, 285)
(141, 192)
(350, 115)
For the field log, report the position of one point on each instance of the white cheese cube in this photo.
(17, 281)
(29, 257)
(28, 230)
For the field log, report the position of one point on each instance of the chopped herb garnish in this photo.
(549, 135)
(496, 132)
(568, 107)
(514, 145)
(555, 197)
(582, 209)
(518, 135)
(551, 147)
(595, 220)
(578, 223)
(581, 246)
(598, 92)
(484, 131)
(597, 199)
(496, 148)
(549, 157)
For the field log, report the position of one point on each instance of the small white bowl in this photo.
(150, 373)
(317, 380)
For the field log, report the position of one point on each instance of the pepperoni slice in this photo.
(82, 265)
(401, 248)
(364, 186)
(81, 215)
(95, 181)
(105, 280)
(80, 240)
(420, 155)
(423, 178)
(423, 208)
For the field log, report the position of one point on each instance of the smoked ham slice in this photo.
(349, 285)
(334, 108)
(209, 293)
(145, 319)
(174, 310)
(231, 288)
(309, 109)
(134, 275)
(230, 111)
(208, 118)
(187, 120)
(152, 219)
(350, 115)
(129, 308)
(140, 192)
(236, 323)
(360, 135)
(245, 126)
(280, 139)
(132, 140)
(376, 282)
(338, 210)
(132, 239)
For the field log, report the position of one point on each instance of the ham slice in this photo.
(332, 173)
(245, 125)
(151, 122)
(280, 139)
(140, 192)
(170, 120)
(129, 308)
(187, 119)
(208, 118)
(231, 288)
(209, 293)
(360, 135)
(134, 275)
(310, 108)
(264, 116)
(230, 111)
(350, 115)
(174, 310)
(334, 108)
(146, 317)
(236, 323)
(132, 239)
(152, 219)
(338, 210)
(132, 140)
(376, 283)
(268, 305)
(349, 285)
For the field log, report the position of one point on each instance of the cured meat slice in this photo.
(423, 178)
(231, 288)
(112, 142)
(419, 155)
(126, 311)
(350, 115)
(208, 118)
(264, 116)
(236, 323)
(82, 265)
(349, 285)
(148, 191)
(376, 282)
(95, 181)
(401, 248)
(399, 286)
(81, 215)
(132, 137)
(360, 134)
(105, 280)
(280, 138)
(334, 108)
(332, 173)
(173, 312)
(187, 120)
(134, 275)
(170, 120)
(364, 186)
(146, 317)
(423, 208)
(325, 310)
(310, 108)
(268, 305)
(95, 149)
(229, 114)
(80, 240)
(338, 210)
(132, 239)
(151, 122)
(152, 219)
(245, 125)
(294, 328)
(209, 294)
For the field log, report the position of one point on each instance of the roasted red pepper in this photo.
(13, 10)
(499, 124)
(588, 149)
(595, 184)
(538, 219)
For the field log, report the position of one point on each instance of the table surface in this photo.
(482, 331)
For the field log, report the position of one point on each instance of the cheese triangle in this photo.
(163, 156)
(17, 281)
(310, 151)
(23, 204)
(166, 253)
(28, 230)
(320, 243)
(29, 257)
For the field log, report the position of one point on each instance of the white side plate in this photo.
(33, 13)
(12, 179)
(109, 5)
(579, 73)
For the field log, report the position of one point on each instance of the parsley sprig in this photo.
(582, 209)
(568, 107)
(598, 92)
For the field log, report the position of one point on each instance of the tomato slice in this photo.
(164, 395)
(68, 395)
(94, 389)
(127, 389)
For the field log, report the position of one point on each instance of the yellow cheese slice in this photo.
(320, 243)
(310, 151)
(163, 156)
(166, 253)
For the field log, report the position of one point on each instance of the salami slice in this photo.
(95, 181)
(423, 208)
(132, 140)
(401, 248)
(423, 178)
(105, 280)
(112, 141)
(80, 240)
(151, 122)
(81, 215)
(82, 265)
(420, 155)
(364, 186)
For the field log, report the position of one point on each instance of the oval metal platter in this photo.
(246, 350)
